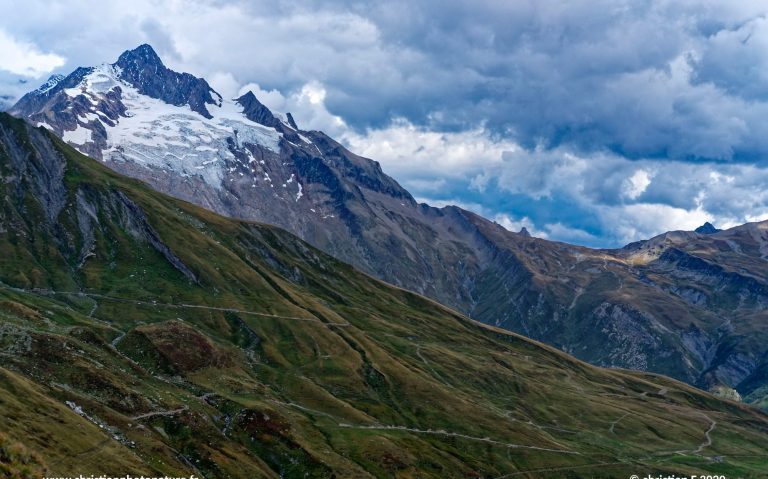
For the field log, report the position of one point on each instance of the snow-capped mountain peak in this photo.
(137, 111)
(51, 83)
(143, 55)
(143, 69)
(142, 118)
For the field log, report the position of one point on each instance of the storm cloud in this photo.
(598, 121)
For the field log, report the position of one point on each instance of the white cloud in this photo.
(476, 208)
(516, 225)
(634, 199)
(225, 84)
(552, 231)
(306, 105)
(24, 58)
(428, 185)
(409, 151)
(629, 223)
(272, 99)
(635, 185)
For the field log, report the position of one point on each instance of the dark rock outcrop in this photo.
(255, 111)
(291, 121)
(707, 229)
(143, 69)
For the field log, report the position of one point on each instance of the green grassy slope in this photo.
(143, 335)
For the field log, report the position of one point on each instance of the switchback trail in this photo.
(160, 413)
(50, 292)
(458, 435)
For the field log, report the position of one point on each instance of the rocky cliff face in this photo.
(144, 70)
(38, 204)
(685, 304)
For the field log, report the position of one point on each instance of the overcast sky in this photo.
(591, 121)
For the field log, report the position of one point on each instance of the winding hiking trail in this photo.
(707, 438)
(436, 432)
(614, 423)
(303, 408)
(160, 413)
(93, 309)
(435, 374)
(457, 435)
(530, 423)
(707, 435)
(157, 304)
(118, 339)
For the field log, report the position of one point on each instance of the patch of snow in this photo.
(74, 92)
(248, 153)
(79, 136)
(75, 407)
(50, 84)
(89, 117)
(300, 193)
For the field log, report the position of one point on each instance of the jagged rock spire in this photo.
(254, 110)
(142, 68)
(707, 229)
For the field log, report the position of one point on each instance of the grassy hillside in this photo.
(143, 335)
